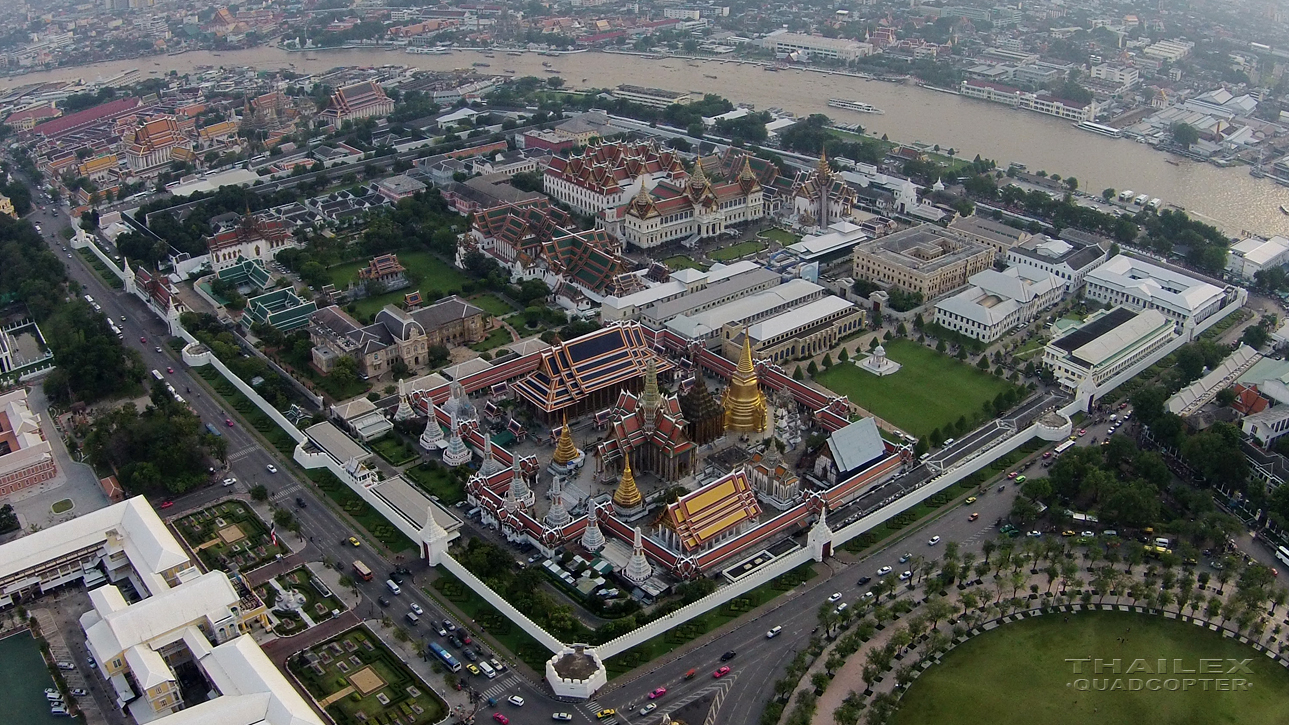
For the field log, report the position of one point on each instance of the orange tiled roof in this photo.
(704, 515)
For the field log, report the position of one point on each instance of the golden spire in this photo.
(565, 451)
(744, 404)
(698, 182)
(627, 496)
(824, 169)
(650, 397)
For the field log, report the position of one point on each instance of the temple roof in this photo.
(704, 515)
(570, 371)
(627, 429)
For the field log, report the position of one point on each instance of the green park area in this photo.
(782, 236)
(1021, 674)
(497, 337)
(357, 680)
(433, 277)
(229, 536)
(682, 261)
(736, 251)
(394, 449)
(492, 304)
(319, 602)
(436, 480)
(932, 390)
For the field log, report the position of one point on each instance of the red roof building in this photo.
(606, 175)
(361, 100)
(254, 238)
(88, 117)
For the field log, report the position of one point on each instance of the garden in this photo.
(436, 480)
(358, 681)
(360, 511)
(317, 601)
(229, 536)
(497, 337)
(931, 391)
(782, 236)
(492, 304)
(683, 261)
(736, 251)
(1023, 673)
(394, 449)
(427, 273)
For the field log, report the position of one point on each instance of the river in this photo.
(1229, 197)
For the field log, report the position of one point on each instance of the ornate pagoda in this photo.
(567, 457)
(743, 401)
(627, 501)
(702, 412)
(432, 438)
(650, 427)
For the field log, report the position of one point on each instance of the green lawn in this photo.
(496, 338)
(682, 261)
(254, 548)
(433, 277)
(492, 304)
(931, 391)
(735, 251)
(436, 481)
(394, 449)
(1019, 674)
(782, 236)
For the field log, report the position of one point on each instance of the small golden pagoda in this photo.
(744, 404)
(627, 496)
(565, 451)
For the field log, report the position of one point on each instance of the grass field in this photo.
(492, 304)
(929, 392)
(497, 337)
(682, 261)
(1018, 674)
(782, 236)
(735, 251)
(429, 274)
(435, 480)
(25, 675)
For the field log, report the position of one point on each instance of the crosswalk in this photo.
(974, 537)
(241, 453)
(501, 686)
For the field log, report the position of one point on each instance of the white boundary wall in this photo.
(507, 609)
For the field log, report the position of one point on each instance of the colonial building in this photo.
(698, 209)
(154, 144)
(394, 335)
(924, 259)
(26, 458)
(803, 331)
(253, 238)
(605, 176)
(649, 428)
(356, 102)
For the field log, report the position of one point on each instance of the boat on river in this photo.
(859, 106)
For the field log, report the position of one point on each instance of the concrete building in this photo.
(1068, 259)
(395, 334)
(706, 326)
(800, 332)
(1124, 77)
(979, 229)
(653, 97)
(1141, 285)
(996, 302)
(1254, 255)
(681, 283)
(785, 43)
(925, 259)
(26, 458)
(713, 291)
(1105, 345)
(1169, 50)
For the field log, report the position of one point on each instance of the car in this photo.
(79, 692)
(1034, 534)
(69, 255)
(473, 670)
(774, 632)
(272, 468)
(465, 638)
(933, 541)
(606, 712)
(1020, 480)
(394, 577)
(417, 608)
(868, 595)
(1082, 432)
(122, 318)
(515, 700)
(58, 710)
(170, 370)
(469, 654)
(1088, 534)
(905, 558)
(1048, 454)
(354, 542)
(864, 580)
(648, 708)
(65, 665)
(229, 481)
(382, 601)
(167, 504)
(157, 349)
(885, 570)
(971, 499)
(143, 340)
(561, 716)
(440, 630)
(1067, 532)
(228, 422)
(1012, 475)
(718, 674)
(657, 693)
(1109, 532)
(455, 640)
(450, 626)
(841, 607)
(835, 596)
(496, 664)
(973, 516)
(300, 502)
(729, 656)
(499, 717)
(403, 571)
(906, 575)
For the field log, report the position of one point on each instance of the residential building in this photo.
(253, 238)
(653, 97)
(700, 209)
(1070, 260)
(6, 207)
(394, 335)
(356, 102)
(1169, 50)
(1253, 255)
(925, 259)
(26, 458)
(1138, 284)
(605, 176)
(785, 43)
(1106, 344)
(987, 231)
(155, 144)
(997, 302)
(1123, 77)
(397, 188)
(801, 332)
(1267, 425)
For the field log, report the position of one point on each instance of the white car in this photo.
(417, 608)
(515, 700)
(907, 575)
(561, 716)
(229, 481)
(905, 558)
(884, 571)
(648, 708)
(934, 540)
(835, 596)
(867, 595)
(774, 632)
(272, 468)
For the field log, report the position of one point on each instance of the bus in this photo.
(445, 657)
(1282, 554)
(156, 375)
(1063, 447)
(362, 571)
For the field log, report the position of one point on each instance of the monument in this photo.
(878, 364)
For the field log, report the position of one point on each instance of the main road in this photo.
(737, 698)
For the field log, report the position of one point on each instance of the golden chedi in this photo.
(743, 401)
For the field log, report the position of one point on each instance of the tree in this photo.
(344, 371)
(259, 493)
(1184, 134)
(798, 375)
(1255, 336)
(812, 369)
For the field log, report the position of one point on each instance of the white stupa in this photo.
(432, 438)
(459, 403)
(519, 483)
(638, 569)
(558, 516)
(489, 465)
(457, 453)
(404, 411)
(878, 364)
(592, 537)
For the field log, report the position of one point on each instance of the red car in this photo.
(721, 672)
(143, 340)
(501, 718)
(657, 693)
(170, 370)
(167, 504)
(229, 421)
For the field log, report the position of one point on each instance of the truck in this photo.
(362, 571)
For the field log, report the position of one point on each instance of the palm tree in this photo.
(1165, 598)
(1223, 576)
